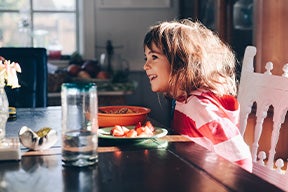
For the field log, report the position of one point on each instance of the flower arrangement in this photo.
(8, 73)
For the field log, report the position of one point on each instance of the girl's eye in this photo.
(145, 58)
(154, 57)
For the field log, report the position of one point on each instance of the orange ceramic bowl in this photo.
(123, 115)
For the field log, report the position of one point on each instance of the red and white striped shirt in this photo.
(212, 122)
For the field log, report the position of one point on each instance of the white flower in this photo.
(8, 73)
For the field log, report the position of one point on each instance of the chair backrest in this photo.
(32, 79)
(263, 92)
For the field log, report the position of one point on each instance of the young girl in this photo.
(190, 64)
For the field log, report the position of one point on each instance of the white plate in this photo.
(105, 134)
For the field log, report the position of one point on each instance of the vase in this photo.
(4, 112)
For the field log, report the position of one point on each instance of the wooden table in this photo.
(172, 163)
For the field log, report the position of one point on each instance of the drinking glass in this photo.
(79, 124)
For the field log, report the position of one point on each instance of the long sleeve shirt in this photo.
(212, 122)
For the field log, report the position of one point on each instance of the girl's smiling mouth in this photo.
(152, 77)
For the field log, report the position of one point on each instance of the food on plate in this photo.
(150, 126)
(119, 130)
(123, 110)
(131, 133)
(138, 131)
(144, 131)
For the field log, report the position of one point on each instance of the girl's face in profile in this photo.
(157, 68)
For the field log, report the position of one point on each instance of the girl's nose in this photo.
(146, 66)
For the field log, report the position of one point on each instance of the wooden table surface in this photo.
(172, 163)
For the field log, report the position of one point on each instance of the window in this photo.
(40, 23)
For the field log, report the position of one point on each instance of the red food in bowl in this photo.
(123, 115)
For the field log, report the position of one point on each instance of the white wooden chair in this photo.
(265, 90)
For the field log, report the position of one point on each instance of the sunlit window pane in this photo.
(55, 27)
(67, 5)
(13, 4)
(11, 34)
(41, 24)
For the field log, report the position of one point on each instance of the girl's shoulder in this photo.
(227, 102)
(201, 98)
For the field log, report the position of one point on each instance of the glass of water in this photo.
(79, 124)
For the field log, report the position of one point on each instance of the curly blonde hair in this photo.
(198, 58)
